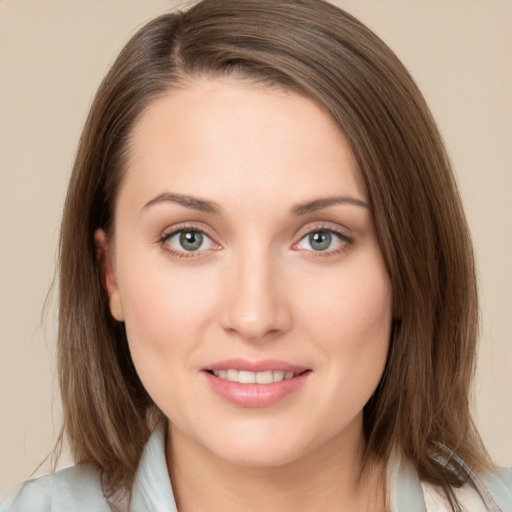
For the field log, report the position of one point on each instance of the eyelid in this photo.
(323, 226)
(345, 239)
(185, 226)
(182, 226)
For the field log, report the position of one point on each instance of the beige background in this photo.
(52, 57)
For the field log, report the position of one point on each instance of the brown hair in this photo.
(422, 402)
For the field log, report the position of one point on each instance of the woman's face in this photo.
(246, 268)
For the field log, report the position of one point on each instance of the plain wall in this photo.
(53, 55)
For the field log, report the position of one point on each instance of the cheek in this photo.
(350, 308)
(350, 323)
(164, 316)
(165, 303)
(161, 319)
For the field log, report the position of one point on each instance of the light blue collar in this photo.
(403, 487)
(153, 492)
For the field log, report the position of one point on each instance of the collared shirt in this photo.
(79, 489)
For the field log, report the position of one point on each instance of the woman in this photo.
(267, 290)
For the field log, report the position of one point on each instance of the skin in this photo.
(256, 289)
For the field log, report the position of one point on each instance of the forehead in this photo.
(228, 138)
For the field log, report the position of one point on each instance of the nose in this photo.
(255, 305)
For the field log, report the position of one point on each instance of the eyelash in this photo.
(345, 241)
(166, 235)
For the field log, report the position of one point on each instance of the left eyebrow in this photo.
(191, 202)
(319, 204)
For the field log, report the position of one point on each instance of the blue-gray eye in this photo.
(189, 240)
(320, 240)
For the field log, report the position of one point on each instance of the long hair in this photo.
(421, 406)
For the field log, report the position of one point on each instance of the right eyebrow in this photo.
(191, 202)
(325, 202)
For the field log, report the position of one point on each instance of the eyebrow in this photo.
(193, 203)
(320, 204)
(202, 205)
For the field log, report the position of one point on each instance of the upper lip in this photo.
(255, 366)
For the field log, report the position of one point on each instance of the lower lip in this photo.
(256, 395)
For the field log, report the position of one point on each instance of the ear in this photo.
(108, 278)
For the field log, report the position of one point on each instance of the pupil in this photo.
(320, 240)
(191, 240)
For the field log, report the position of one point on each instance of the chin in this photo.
(257, 455)
(257, 447)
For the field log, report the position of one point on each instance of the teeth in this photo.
(278, 375)
(246, 377)
(264, 377)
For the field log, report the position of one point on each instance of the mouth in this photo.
(250, 377)
(257, 384)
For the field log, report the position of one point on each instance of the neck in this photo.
(328, 478)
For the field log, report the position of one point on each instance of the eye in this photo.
(322, 240)
(187, 240)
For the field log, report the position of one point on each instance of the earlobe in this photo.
(109, 281)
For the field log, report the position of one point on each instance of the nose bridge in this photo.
(255, 306)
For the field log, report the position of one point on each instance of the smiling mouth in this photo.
(248, 377)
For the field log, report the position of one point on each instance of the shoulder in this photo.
(73, 489)
(467, 496)
(496, 485)
(488, 491)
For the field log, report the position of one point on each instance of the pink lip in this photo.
(255, 366)
(255, 395)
